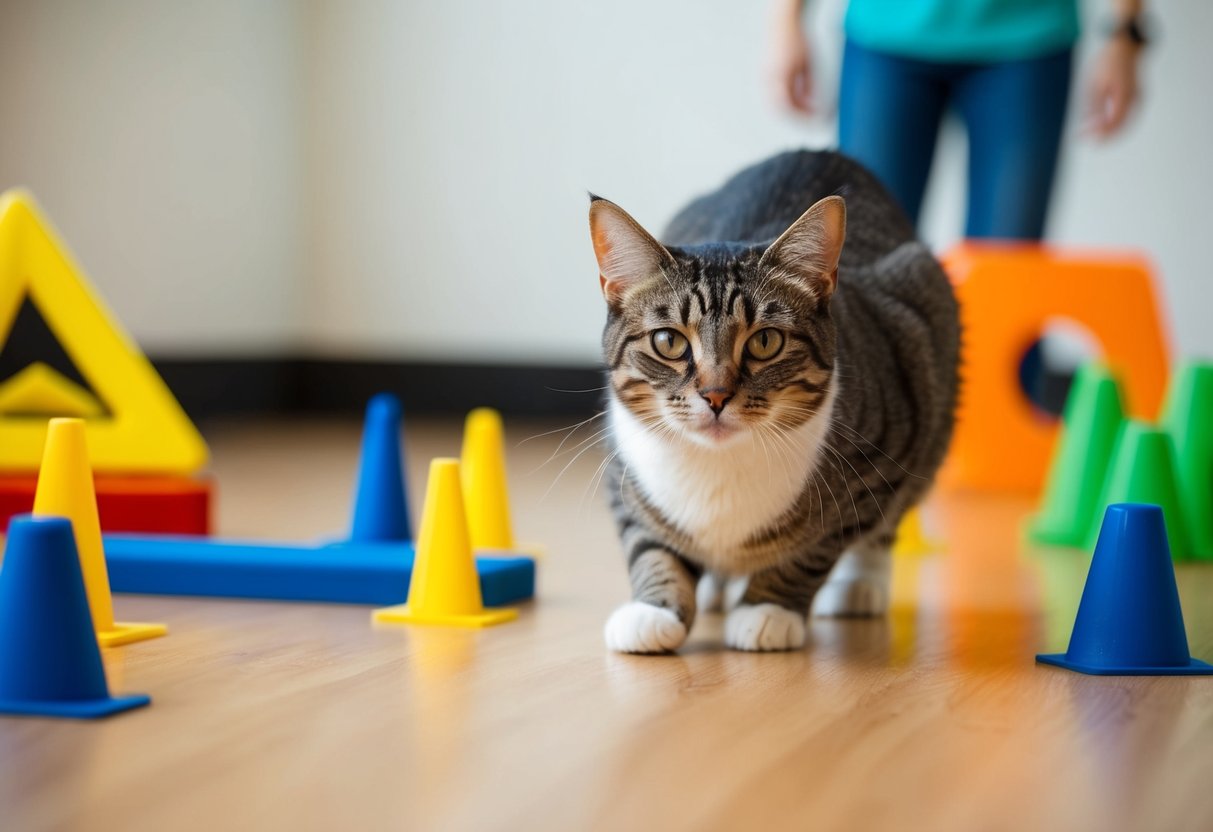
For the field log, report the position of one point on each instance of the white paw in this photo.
(638, 627)
(709, 593)
(764, 627)
(852, 597)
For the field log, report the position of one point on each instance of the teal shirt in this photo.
(962, 31)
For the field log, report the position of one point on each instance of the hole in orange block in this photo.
(1008, 295)
(1048, 365)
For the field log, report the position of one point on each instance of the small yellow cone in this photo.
(445, 588)
(485, 491)
(65, 489)
(911, 539)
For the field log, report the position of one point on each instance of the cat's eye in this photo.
(671, 344)
(764, 344)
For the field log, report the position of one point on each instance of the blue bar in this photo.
(343, 573)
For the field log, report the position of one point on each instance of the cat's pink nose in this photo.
(716, 397)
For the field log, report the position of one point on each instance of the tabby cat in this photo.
(777, 400)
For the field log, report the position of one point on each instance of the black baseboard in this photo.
(220, 387)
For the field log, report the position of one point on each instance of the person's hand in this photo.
(1112, 87)
(791, 67)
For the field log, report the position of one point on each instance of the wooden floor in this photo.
(274, 716)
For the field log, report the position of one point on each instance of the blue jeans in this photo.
(889, 112)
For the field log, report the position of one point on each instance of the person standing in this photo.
(1003, 65)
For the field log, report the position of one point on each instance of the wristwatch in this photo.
(1132, 29)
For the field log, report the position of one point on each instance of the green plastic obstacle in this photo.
(1092, 420)
(1102, 458)
(1144, 471)
(1188, 417)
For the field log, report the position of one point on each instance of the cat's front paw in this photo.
(764, 627)
(854, 597)
(638, 627)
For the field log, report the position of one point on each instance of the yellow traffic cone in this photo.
(485, 491)
(65, 489)
(911, 539)
(445, 588)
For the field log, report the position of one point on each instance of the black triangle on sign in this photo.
(31, 340)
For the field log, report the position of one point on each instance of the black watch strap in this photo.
(1131, 29)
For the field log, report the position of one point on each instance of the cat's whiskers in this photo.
(587, 390)
(560, 449)
(816, 471)
(784, 459)
(843, 476)
(756, 436)
(596, 479)
(868, 459)
(596, 436)
(858, 476)
(785, 443)
(821, 500)
(837, 454)
(601, 435)
(792, 408)
(572, 429)
(815, 475)
(647, 423)
(877, 448)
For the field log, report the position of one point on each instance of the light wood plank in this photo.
(275, 716)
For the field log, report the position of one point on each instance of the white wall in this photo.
(454, 144)
(407, 179)
(162, 140)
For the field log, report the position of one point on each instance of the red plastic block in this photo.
(153, 505)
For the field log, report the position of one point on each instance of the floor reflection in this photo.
(1126, 740)
(441, 660)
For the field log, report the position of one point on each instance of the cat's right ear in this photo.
(627, 254)
(809, 250)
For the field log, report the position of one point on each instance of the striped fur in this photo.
(769, 469)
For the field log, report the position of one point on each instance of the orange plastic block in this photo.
(1008, 293)
(146, 505)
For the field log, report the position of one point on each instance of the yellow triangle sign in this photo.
(39, 390)
(146, 430)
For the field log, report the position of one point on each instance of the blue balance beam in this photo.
(342, 572)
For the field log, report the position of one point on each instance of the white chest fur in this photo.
(720, 496)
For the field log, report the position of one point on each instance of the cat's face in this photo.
(719, 341)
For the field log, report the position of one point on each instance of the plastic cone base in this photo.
(90, 709)
(129, 633)
(1129, 620)
(401, 614)
(1195, 668)
(444, 588)
(50, 664)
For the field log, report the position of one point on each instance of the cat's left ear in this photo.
(810, 248)
(627, 254)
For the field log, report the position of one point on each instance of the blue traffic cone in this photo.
(380, 511)
(1129, 621)
(50, 664)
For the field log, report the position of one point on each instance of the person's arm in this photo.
(791, 65)
(1112, 87)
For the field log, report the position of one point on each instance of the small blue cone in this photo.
(50, 664)
(380, 512)
(1129, 621)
